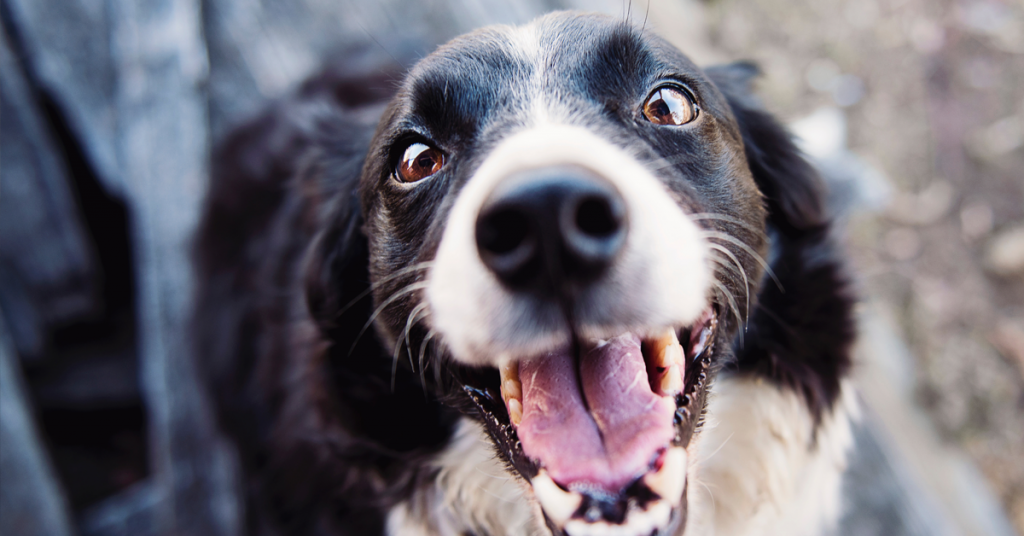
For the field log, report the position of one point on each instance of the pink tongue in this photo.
(612, 444)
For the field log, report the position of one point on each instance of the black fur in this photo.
(331, 435)
(326, 446)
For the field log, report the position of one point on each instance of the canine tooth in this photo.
(511, 387)
(671, 383)
(659, 513)
(669, 481)
(674, 353)
(702, 340)
(509, 371)
(515, 411)
(666, 349)
(557, 503)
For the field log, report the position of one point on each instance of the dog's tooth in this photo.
(661, 346)
(671, 383)
(511, 387)
(557, 503)
(515, 411)
(674, 354)
(665, 351)
(667, 364)
(670, 480)
(701, 341)
(509, 370)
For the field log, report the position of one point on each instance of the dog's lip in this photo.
(637, 498)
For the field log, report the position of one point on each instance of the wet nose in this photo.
(544, 228)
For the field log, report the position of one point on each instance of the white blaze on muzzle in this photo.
(660, 279)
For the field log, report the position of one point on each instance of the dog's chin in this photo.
(600, 428)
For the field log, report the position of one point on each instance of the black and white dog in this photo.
(553, 278)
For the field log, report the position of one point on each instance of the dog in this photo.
(553, 279)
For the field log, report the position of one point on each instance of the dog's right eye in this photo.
(419, 161)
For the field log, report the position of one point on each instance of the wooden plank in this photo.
(160, 58)
(128, 77)
(31, 501)
(67, 44)
(54, 280)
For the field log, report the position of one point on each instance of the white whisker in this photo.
(423, 366)
(749, 251)
(739, 267)
(398, 343)
(714, 506)
(400, 273)
(732, 301)
(727, 219)
(421, 308)
(412, 287)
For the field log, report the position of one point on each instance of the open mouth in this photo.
(600, 428)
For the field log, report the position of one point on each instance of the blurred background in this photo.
(912, 109)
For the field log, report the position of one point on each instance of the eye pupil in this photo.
(419, 162)
(661, 108)
(669, 106)
(425, 161)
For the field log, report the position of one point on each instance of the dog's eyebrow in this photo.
(621, 63)
(452, 96)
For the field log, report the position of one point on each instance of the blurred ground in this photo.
(933, 93)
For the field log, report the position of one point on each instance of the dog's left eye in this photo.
(670, 105)
(419, 161)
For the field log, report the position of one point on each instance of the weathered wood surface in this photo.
(47, 269)
(163, 144)
(68, 44)
(31, 503)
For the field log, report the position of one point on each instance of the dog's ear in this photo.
(336, 265)
(790, 184)
(801, 331)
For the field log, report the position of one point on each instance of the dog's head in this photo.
(567, 224)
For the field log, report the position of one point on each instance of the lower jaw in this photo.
(655, 502)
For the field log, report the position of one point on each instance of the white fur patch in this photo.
(757, 467)
(661, 279)
(472, 493)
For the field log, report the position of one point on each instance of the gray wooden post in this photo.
(31, 502)
(163, 144)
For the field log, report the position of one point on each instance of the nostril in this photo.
(502, 231)
(596, 217)
(593, 229)
(506, 241)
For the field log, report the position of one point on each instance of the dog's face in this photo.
(563, 224)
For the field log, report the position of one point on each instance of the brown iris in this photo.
(669, 105)
(419, 162)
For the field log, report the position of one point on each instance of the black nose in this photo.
(546, 228)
